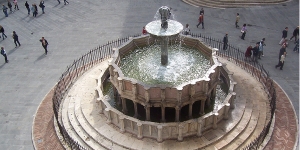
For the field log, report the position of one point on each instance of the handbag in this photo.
(242, 31)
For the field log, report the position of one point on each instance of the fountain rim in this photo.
(117, 57)
(171, 24)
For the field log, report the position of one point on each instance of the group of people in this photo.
(34, 8)
(254, 53)
(17, 42)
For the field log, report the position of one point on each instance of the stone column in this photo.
(163, 118)
(140, 130)
(122, 124)
(191, 110)
(215, 120)
(180, 128)
(147, 97)
(135, 110)
(147, 107)
(134, 91)
(227, 106)
(177, 113)
(159, 133)
(100, 105)
(121, 89)
(200, 124)
(164, 50)
(202, 107)
(124, 106)
(232, 104)
(108, 121)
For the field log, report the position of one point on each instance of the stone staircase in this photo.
(81, 117)
(231, 3)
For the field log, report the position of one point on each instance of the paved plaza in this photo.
(74, 29)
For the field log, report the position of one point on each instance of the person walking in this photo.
(36, 9)
(33, 10)
(4, 9)
(243, 31)
(3, 53)
(282, 51)
(237, 19)
(44, 44)
(296, 48)
(225, 41)
(295, 34)
(186, 30)
(284, 35)
(9, 5)
(201, 21)
(65, 1)
(42, 6)
(201, 11)
(261, 48)
(248, 53)
(27, 6)
(255, 52)
(16, 4)
(16, 38)
(2, 31)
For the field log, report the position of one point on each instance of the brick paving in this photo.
(285, 128)
(44, 135)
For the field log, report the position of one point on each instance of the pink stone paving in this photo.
(285, 128)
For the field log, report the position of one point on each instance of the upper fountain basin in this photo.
(155, 28)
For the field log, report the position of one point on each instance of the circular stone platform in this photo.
(43, 122)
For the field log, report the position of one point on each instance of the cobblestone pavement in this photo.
(73, 29)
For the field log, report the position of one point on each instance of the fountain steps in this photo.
(262, 122)
(83, 122)
(230, 3)
(66, 121)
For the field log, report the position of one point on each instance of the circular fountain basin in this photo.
(185, 64)
(154, 28)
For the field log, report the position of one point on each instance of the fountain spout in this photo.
(165, 13)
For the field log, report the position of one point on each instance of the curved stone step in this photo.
(67, 125)
(230, 4)
(262, 122)
(78, 127)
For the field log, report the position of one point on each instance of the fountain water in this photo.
(164, 29)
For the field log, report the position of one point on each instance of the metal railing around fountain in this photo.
(72, 73)
(256, 70)
(105, 51)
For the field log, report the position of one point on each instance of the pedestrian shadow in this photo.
(40, 58)
(55, 5)
(2, 65)
(11, 51)
(2, 18)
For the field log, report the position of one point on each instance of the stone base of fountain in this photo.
(96, 128)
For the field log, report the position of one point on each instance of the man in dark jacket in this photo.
(44, 44)
(255, 52)
(16, 38)
(284, 35)
(225, 41)
(281, 62)
(295, 34)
